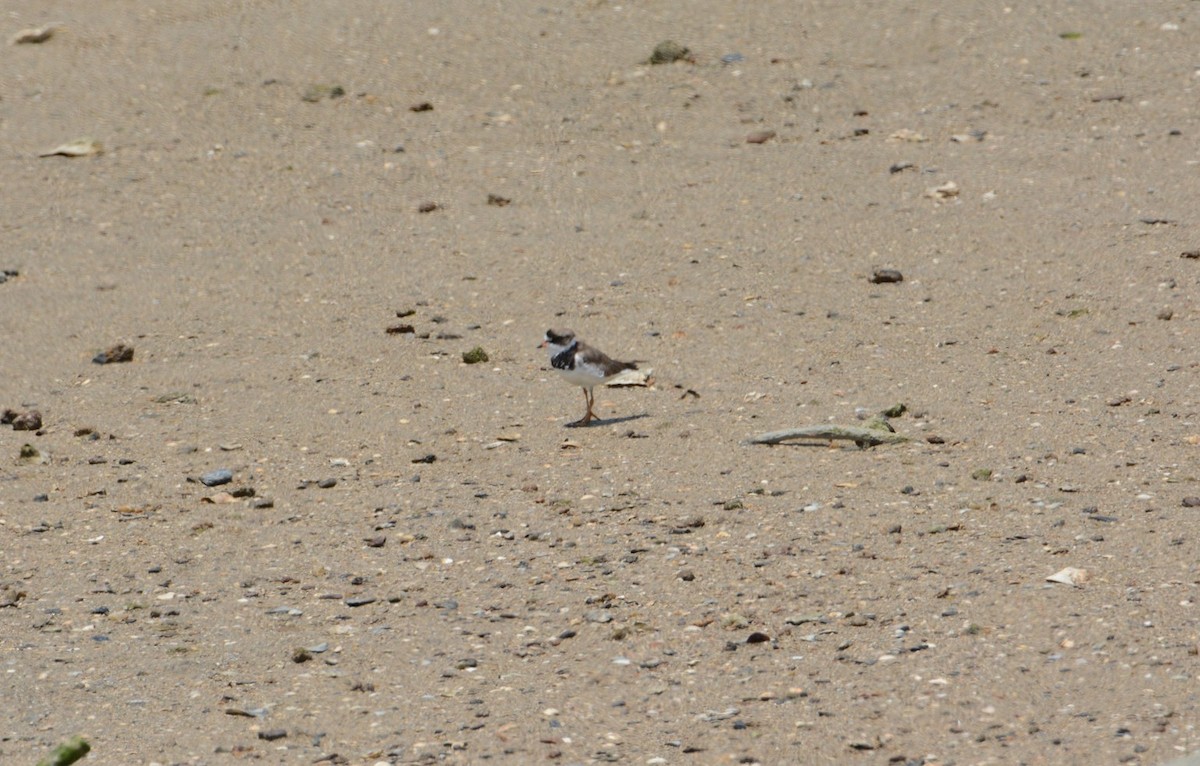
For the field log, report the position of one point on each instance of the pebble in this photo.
(114, 355)
(359, 601)
(886, 276)
(1191, 502)
(272, 734)
(217, 478)
(329, 483)
(667, 52)
(23, 421)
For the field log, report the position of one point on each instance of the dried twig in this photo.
(863, 437)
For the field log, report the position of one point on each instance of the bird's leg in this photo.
(587, 417)
(591, 400)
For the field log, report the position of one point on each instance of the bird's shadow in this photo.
(607, 422)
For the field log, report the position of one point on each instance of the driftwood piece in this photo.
(863, 437)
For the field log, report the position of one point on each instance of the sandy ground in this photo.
(416, 562)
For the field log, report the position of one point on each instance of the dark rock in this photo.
(217, 478)
(886, 276)
(27, 421)
(118, 353)
(272, 734)
(475, 355)
(667, 52)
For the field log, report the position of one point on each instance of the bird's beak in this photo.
(542, 344)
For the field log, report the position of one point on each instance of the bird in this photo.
(582, 365)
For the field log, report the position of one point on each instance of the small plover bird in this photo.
(582, 365)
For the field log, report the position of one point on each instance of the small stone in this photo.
(423, 106)
(430, 458)
(946, 191)
(427, 207)
(475, 356)
(886, 276)
(757, 637)
(217, 478)
(686, 575)
(668, 51)
(376, 542)
(34, 36)
(1166, 314)
(760, 136)
(301, 655)
(27, 421)
(30, 454)
(1191, 502)
(118, 353)
(329, 483)
(272, 734)
(359, 601)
